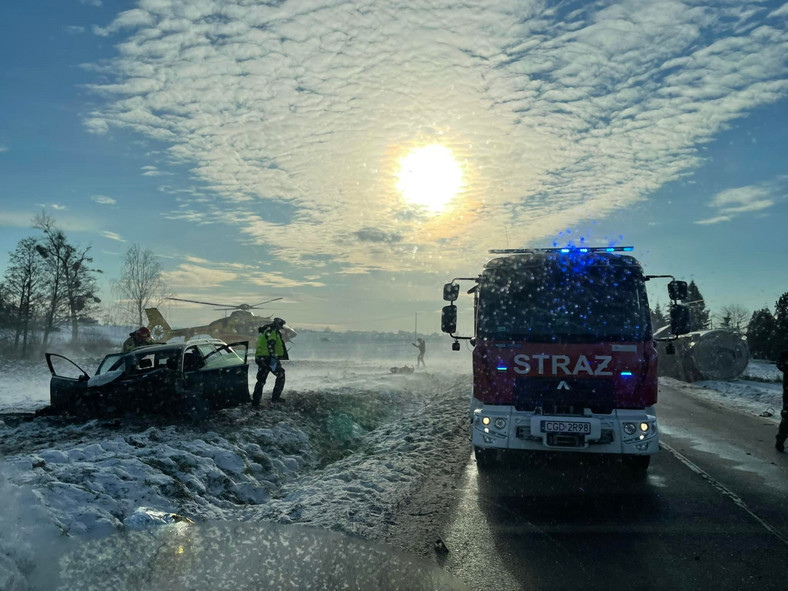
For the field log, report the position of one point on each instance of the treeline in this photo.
(765, 330)
(49, 283)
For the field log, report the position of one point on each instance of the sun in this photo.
(429, 177)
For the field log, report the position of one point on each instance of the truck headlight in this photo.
(629, 428)
(485, 420)
(500, 423)
(644, 427)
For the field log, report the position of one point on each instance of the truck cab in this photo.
(564, 357)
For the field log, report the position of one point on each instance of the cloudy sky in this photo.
(351, 156)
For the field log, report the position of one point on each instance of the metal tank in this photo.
(703, 355)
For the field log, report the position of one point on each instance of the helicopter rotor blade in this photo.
(265, 302)
(205, 303)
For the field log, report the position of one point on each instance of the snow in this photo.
(350, 444)
(758, 391)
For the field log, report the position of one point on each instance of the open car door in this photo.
(223, 374)
(68, 383)
(236, 348)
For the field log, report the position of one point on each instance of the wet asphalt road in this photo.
(712, 513)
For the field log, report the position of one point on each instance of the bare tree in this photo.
(54, 276)
(734, 317)
(141, 282)
(72, 285)
(23, 280)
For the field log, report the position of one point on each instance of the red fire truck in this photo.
(563, 353)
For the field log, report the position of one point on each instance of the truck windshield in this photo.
(556, 302)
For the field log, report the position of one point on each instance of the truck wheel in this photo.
(485, 458)
(636, 464)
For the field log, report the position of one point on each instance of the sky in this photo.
(351, 156)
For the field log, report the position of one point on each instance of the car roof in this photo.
(172, 346)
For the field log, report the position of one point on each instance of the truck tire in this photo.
(636, 465)
(485, 458)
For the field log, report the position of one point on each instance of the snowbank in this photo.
(350, 444)
(758, 391)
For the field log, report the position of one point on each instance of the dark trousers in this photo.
(262, 374)
(782, 431)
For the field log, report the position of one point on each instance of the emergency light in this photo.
(563, 250)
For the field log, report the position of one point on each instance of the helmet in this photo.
(278, 322)
(142, 332)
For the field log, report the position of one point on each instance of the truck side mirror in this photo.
(451, 291)
(449, 319)
(679, 319)
(677, 290)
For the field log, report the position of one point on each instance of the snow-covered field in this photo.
(758, 391)
(350, 444)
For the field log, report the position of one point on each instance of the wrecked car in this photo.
(188, 378)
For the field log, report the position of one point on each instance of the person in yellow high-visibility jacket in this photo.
(269, 354)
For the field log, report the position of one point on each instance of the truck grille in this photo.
(564, 396)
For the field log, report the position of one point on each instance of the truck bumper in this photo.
(630, 432)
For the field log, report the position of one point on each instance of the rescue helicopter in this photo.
(240, 325)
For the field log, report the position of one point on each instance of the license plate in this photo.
(566, 427)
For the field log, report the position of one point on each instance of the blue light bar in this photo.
(501, 368)
(563, 250)
(626, 374)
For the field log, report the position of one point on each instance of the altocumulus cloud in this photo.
(112, 236)
(103, 200)
(556, 114)
(187, 275)
(732, 202)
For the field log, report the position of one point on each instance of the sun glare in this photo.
(429, 177)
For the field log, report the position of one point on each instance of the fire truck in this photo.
(564, 358)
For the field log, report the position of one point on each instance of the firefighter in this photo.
(138, 338)
(782, 431)
(269, 355)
